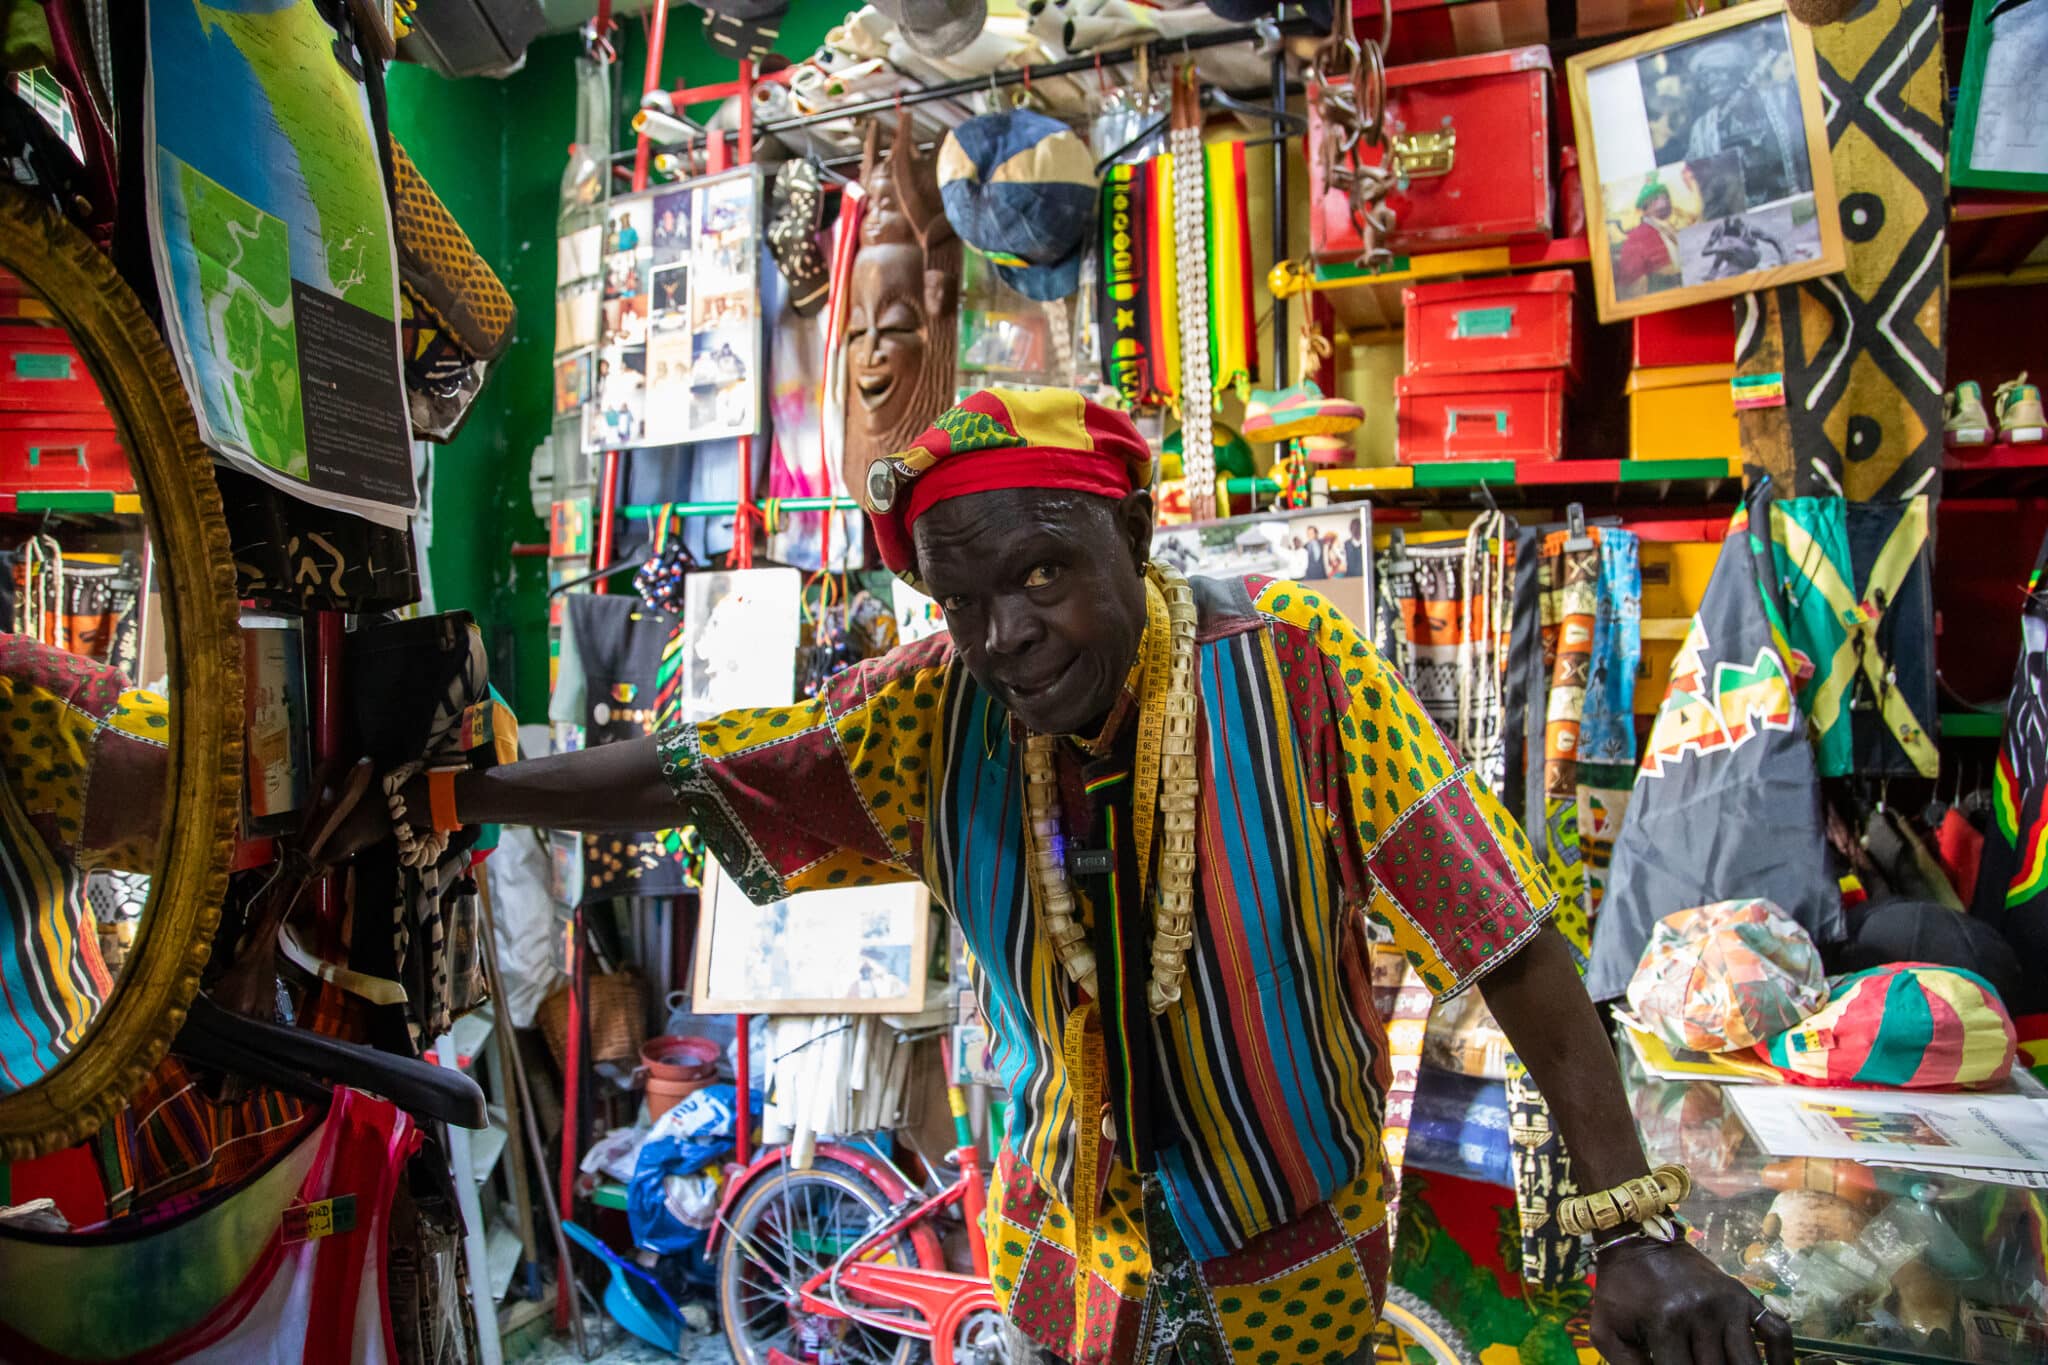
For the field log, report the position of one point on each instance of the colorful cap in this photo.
(1284, 414)
(1725, 976)
(1003, 438)
(1908, 1025)
(1021, 188)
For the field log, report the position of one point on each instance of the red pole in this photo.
(601, 553)
(743, 557)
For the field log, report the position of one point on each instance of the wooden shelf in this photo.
(1604, 481)
(105, 502)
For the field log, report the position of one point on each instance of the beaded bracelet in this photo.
(1632, 1201)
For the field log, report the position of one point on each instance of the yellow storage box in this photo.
(1682, 412)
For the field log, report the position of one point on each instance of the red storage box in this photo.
(41, 371)
(1511, 322)
(1473, 138)
(1515, 416)
(63, 451)
(1703, 334)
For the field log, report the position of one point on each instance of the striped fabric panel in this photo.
(52, 981)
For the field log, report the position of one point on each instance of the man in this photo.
(1354, 551)
(1751, 114)
(1646, 262)
(1154, 806)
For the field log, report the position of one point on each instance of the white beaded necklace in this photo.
(1173, 918)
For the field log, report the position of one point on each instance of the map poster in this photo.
(274, 251)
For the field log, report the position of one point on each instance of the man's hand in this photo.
(1667, 1305)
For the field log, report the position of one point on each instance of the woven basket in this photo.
(616, 1007)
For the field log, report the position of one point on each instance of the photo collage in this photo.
(1703, 161)
(678, 348)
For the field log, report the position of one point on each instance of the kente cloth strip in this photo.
(2012, 882)
(1454, 627)
(1572, 603)
(1726, 805)
(1162, 385)
(1324, 788)
(1858, 617)
(1607, 726)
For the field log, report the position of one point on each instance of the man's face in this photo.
(1044, 595)
(1658, 208)
(1718, 74)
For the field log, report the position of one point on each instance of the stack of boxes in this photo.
(55, 430)
(1488, 364)
(1681, 403)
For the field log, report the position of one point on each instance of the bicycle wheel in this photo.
(789, 1225)
(1410, 1332)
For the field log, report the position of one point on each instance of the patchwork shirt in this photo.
(1325, 791)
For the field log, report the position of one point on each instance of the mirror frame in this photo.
(181, 504)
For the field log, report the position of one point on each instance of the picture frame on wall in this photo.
(1997, 143)
(1703, 150)
(854, 950)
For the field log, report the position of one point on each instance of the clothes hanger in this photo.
(310, 1064)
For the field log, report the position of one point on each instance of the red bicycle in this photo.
(843, 1260)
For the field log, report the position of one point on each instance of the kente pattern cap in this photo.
(1726, 976)
(1003, 438)
(1909, 1025)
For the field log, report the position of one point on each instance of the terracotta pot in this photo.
(664, 1094)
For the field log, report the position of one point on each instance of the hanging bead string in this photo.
(1191, 259)
(1173, 918)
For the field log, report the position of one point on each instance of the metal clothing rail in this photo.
(636, 510)
(1001, 80)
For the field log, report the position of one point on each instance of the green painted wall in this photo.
(494, 150)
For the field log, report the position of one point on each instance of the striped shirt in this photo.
(1324, 790)
(82, 764)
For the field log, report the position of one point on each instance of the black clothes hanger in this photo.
(307, 1063)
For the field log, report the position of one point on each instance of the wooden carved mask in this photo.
(903, 314)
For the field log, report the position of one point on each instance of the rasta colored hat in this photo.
(1003, 438)
(1909, 1025)
(1726, 976)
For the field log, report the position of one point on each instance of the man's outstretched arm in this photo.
(1654, 1303)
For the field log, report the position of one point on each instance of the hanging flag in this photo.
(1163, 297)
(1233, 334)
(2012, 883)
(1125, 285)
(1726, 805)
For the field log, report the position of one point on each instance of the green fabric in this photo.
(1906, 1017)
(1812, 622)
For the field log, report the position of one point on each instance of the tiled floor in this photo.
(612, 1345)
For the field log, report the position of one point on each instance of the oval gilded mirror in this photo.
(120, 688)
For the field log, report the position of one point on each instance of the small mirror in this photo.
(120, 688)
(84, 682)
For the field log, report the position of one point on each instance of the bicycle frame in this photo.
(912, 1301)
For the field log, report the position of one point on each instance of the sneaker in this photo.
(1284, 414)
(2020, 418)
(1967, 424)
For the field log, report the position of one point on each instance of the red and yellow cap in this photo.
(1003, 438)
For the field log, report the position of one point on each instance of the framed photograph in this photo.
(861, 950)
(1704, 155)
(679, 274)
(740, 634)
(2001, 127)
(1327, 547)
